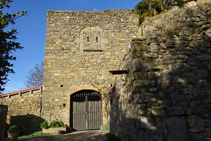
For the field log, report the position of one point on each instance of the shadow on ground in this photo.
(93, 135)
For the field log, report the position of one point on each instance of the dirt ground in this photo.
(90, 135)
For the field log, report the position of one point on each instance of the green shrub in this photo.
(44, 125)
(35, 134)
(112, 137)
(61, 123)
(7, 139)
(13, 128)
(57, 124)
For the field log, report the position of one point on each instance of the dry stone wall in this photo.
(166, 96)
(24, 110)
(3, 117)
(81, 47)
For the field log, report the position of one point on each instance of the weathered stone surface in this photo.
(202, 73)
(139, 75)
(150, 55)
(24, 111)
(160, 112)
(138, 47)
(207, 123)
(197, 129)
(173, 111)
(177, 128)
(204, 57)
(141, 109)
(208, 32)
(136, 65)
(141, 83)
(154, 47)
(195, 37)
(194, 44)
(144, 97)
(195, 121)
(3, 117)
(145, 122)
(180, 47)
(205, 27)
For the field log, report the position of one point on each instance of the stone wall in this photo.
(81, 47)
(166, 96)
(3, 117)
(24, 109)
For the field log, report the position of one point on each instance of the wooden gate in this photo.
(86, 110)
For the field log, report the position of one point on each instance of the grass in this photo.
(39, 133)
(106, 127)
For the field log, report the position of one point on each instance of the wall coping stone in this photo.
(21, 91)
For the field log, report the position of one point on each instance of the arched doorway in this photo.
(86, 110)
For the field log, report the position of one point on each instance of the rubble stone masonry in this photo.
(24, 109)
(166, 96)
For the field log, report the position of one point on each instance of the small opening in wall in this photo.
(111, 85)
(87, 39)
(64, 104)
(61, 85)
(96, 39)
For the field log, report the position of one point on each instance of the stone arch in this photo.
(81, 88)
(85, 108)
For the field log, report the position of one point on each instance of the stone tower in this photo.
(81, 48)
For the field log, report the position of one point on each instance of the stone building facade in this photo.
(81, 48)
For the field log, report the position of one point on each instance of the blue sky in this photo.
(32, 30)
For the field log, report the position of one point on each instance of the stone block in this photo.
(154, 47)
(208, 32)
(180, 47)
(158, 112)
(195, 37)
(139, 75)
(201, 109)
(207, 123)
(144, 97)
(203, 57)
(139, 90)
(205, 44)
(175, 66)
(194, 44)
(138, 47)
(205, 27)
(197, 129)
(141, 109)
(163, 45)
(136, 65)
(195, 121)
(173, 111)
(141, 83)
(177, 128)
(177, 97)
(151, 55)
(151, 75)
(145, 122)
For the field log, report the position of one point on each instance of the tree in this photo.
(7, 43)
(149, 8)
(35, 77)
